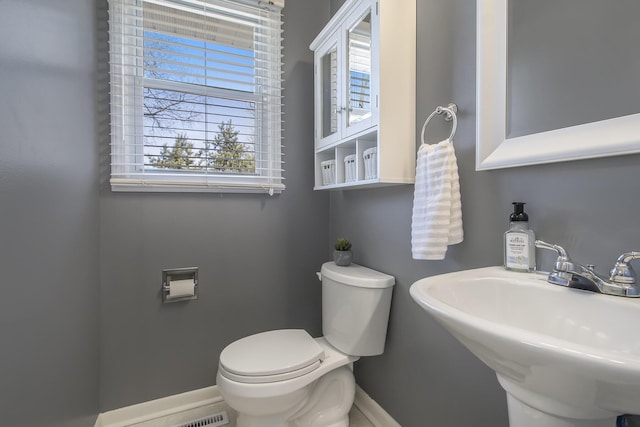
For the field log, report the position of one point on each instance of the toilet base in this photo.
(327, 404)
(330, 400)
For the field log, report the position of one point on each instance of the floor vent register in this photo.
(219, 419)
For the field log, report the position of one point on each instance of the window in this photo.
(196, 95)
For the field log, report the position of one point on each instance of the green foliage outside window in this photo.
(225, 154)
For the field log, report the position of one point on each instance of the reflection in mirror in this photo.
(571, 62)
(543, 99)
(329, 93)
(360, 71)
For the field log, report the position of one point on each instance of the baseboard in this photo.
(180, 408)
(173, 410)
(374, 412)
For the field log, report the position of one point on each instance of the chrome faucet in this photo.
(621, 280)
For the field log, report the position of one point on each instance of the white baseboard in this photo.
(374, 412)
(182, 405)
(187, 406)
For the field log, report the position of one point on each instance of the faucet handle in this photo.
(563, 262)
(622, 272)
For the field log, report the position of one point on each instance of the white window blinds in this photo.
(196, 95)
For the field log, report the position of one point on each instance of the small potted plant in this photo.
(342, 254)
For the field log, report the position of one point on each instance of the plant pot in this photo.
(342, 258)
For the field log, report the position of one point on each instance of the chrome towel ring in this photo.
(449, 114)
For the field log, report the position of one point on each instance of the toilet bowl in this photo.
(286, 378)
(294, 392)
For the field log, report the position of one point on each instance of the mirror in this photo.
(520, 123)
(329, 92)
(359, 78)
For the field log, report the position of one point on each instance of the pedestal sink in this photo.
(566, 357)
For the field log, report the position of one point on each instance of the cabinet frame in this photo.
(390, 128)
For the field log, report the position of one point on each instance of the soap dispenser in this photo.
(519, 241)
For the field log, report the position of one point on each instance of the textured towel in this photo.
(437, 211)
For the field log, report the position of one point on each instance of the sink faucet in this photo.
(621, 280)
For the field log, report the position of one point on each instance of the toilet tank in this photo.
(355, 308)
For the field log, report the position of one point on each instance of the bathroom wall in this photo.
(73, 253)
(257, 254)
(425, 377)
(48, 214)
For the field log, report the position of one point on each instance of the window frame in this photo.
(128, 82)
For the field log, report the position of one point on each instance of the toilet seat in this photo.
(271, 356)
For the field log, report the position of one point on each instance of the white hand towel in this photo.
(437, 210)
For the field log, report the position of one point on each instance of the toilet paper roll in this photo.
(181, 288)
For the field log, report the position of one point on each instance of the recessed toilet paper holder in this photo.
(182, 279)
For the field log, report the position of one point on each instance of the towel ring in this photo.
(449, 114)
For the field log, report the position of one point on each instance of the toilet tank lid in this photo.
(357, 275)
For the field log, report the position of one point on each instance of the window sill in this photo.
(153, 186)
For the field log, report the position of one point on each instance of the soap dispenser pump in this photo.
(519, 241)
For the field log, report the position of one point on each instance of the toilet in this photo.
(286, 378)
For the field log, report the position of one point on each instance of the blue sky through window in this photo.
(188, 109)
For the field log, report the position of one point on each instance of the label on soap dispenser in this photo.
(517, 250)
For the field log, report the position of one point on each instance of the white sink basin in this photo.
(565, 357)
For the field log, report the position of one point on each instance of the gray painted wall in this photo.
(539, 63)
(63, 232)
(257, 255)
(48, 214)
(425, 377)
(75, 348)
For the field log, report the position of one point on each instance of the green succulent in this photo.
(343, 244)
